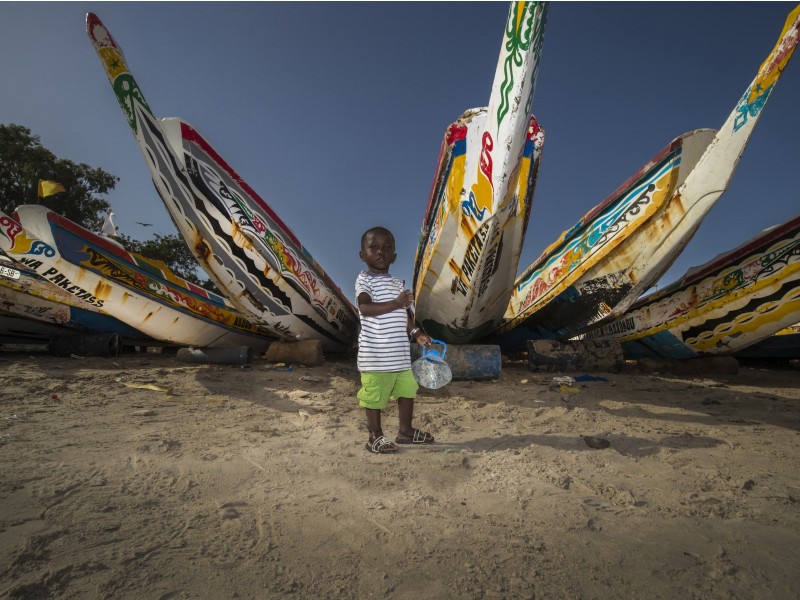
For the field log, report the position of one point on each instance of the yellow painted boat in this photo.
(597, 269)
(727, 305)
(481, 199)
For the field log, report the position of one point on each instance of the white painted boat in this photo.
(28, 297)
(245, 248)
(577, 278)
(597, 269)
(729, 304)
(139, 292)
(481, 199)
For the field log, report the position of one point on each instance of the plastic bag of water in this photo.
(430, 370)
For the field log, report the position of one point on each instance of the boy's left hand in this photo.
(423, 339)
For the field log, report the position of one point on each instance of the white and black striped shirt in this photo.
(383, 342)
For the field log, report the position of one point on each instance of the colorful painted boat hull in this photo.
(729, 304)
(480, 203)
(573, 288)
(238, 239)
(136, 291)
(32, 297)
(582, 274)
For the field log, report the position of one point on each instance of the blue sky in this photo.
(334, 112)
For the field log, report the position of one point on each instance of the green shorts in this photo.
(378, 388)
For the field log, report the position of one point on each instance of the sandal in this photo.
(418, 437)
(381, 445)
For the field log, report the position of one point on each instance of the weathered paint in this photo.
(245, 248)
(479, 205)
(15, 301)
(162, 306)
(32, 297)
(572, 278)
(726, 305)
(640, 246)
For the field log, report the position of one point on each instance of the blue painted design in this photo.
(667, 345)
(470, 208)
(39, 247)
(527, 151)
(595, 230)
(635, 350)
(98, 322)
(750, 109)
(460, 147)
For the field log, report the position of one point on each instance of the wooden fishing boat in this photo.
(245, 248)
(479, 206)
(597, 269)
(722, 307)
(142, 293)
(574, 281)
(27, 296)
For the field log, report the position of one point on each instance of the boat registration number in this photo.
(9, 272)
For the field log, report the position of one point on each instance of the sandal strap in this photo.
(380, 443)
(420, 436)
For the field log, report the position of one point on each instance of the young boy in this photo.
(384, 352)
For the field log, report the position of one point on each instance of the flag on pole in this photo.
(48, 188)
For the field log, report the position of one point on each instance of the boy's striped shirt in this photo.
(383, 343)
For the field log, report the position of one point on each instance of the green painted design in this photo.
(519, 38)
(128, 94)
(769, 264)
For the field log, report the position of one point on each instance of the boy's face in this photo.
(378, 251)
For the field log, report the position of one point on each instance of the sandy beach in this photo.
(145, 477)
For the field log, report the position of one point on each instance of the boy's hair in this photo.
(376, 230)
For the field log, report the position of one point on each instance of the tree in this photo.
(24, 161)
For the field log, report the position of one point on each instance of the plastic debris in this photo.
(585, 377)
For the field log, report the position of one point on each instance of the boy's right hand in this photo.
(405, 299)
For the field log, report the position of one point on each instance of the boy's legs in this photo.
(405, 390)
(407, 434)
(376, 389)
(374, 423)
(405, 410)
(378, 443)
(373, 396)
